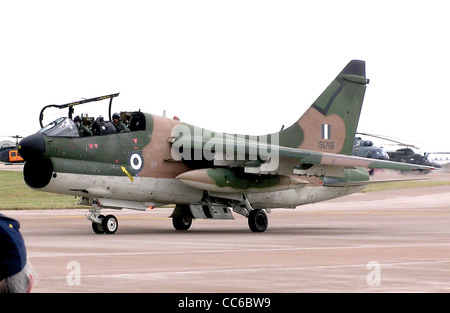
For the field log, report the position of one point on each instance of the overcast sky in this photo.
(232, 66)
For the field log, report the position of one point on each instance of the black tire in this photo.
(181, 223)
(97, 228)
(258, 221)
(110, 224)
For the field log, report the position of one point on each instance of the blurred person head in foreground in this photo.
(15, 271)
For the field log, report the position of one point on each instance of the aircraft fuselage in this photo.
(139, 166)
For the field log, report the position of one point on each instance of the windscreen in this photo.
(61, 127)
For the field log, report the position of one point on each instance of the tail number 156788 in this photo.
(325, 145)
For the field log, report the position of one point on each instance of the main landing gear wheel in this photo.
(181, 223)
(258, 221)
(109, 225)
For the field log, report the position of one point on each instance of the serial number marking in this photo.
(325, 145)
(246, 302)
(225, 303)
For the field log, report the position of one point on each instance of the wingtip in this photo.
(355, 67)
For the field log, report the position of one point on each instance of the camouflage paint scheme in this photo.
(149, 167)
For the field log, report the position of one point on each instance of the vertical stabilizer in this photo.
(329, 125)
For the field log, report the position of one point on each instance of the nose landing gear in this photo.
(102, 224)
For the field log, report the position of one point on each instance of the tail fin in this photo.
(329, 125)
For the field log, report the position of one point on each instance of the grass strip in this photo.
(16, 195)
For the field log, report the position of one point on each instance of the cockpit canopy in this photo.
(66, 127)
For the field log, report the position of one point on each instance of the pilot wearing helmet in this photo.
(120, 126)
(83, 129)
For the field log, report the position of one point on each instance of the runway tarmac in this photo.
(391, 241)
(11, 167)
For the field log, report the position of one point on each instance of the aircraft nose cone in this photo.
(32, 147)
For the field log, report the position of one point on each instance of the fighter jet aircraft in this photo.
(206, 174)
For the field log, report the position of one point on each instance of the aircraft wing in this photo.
(267, 158)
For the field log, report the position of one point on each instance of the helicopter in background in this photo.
(404, 155)
(366, 149)
(9, 154)
(407, 155)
